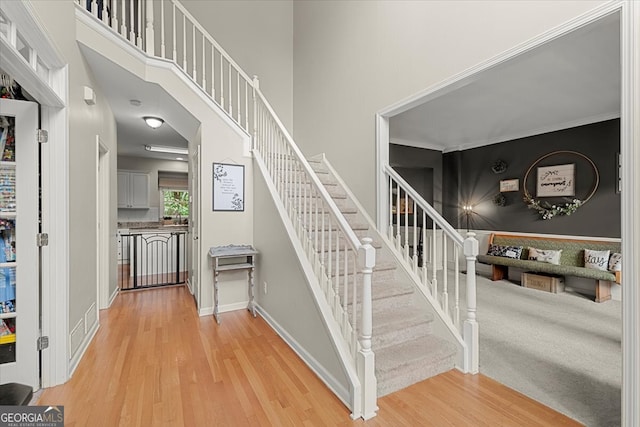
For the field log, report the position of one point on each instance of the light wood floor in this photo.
(155, 362)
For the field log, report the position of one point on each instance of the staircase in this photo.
(406, 349)
(393, 322)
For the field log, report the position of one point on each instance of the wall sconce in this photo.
(468, 211)
(153, 122)
(89, 95)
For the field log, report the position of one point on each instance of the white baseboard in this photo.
(113, 296)
(329, 380)
(75, 360)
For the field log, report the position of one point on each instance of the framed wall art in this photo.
(556, 181)
(228, 187)
(507, 185)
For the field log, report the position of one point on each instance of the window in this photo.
(176, 203)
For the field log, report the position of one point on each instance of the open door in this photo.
(19, 253)
(194, 223)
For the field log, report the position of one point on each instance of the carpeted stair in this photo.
(405, 349)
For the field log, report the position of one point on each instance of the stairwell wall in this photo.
(354, 58)
(284, 296)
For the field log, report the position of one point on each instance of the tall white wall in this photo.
(85, 122)
(354, 58)
(259, 37)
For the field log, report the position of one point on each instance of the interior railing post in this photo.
(470, 330)
(149, 41)
(366, 358)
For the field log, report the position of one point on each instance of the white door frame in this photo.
(52, 95)
(630, 149)
(103, 163)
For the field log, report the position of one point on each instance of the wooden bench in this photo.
(571, 260)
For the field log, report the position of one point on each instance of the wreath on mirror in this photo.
(548, 210)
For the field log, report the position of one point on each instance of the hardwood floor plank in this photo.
(155, 362)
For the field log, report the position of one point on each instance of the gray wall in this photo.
(289, 300)
(410, 161)
(259, 37)
(85, 122)
(600, 142)
(354, 58)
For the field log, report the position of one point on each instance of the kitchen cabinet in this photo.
(133, 190)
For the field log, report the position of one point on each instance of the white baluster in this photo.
(238, 109)
(445, 278)
(123, 25)
(246, 105)
(132, 34)
(175, 41)
(139, 29)
(204, 68)
(336, 290)
(406, 226)
(193, 52)
(434, 256)
(322, 251)
(105, 13)
(184, 42)
(345, 292)
(354, 311)
(470, 330)
(230, 95)
(163, 53)
(366, 359)
(398, 237)
(390, 230)
(150, 40)
(256, 86)
(114, 16)
(94, 8)
(456, 309)
(221, 81)
(414, 215)
(424, 249)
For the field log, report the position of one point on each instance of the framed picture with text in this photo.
(507, 185)
(556, 181)
(228, 187)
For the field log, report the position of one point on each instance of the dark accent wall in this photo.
(422, 169)
(478, 184)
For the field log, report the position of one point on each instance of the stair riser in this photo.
(382, 340)
(411, 374)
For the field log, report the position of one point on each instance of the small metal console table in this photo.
(238, 257)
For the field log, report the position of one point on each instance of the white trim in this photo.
(205, 311)
(77, 357)
(103, 168)
(415, 144)
(382, 159)
(329, 380)
(550, 236)
(113, 296)
(630, 138)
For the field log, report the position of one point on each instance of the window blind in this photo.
(173, 181)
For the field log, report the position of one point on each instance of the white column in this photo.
(470, 329)
(366, 358)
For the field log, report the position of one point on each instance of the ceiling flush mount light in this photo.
(170, 150)
(153, 122)
(135, 102)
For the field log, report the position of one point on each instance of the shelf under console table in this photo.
(233, 258)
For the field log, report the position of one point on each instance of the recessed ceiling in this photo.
(570, 81)
(120, 86)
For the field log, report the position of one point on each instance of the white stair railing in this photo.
(343, 264)
(431, 250)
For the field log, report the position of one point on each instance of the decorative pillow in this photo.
(615, 262)
(545, 255)
(505, 251)
(596, 260)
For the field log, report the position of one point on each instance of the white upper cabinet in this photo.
(133, 190)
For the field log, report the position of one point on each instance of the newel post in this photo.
(470, 328)
(365, 358)
(149, 34)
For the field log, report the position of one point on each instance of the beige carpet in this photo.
(562, 350)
